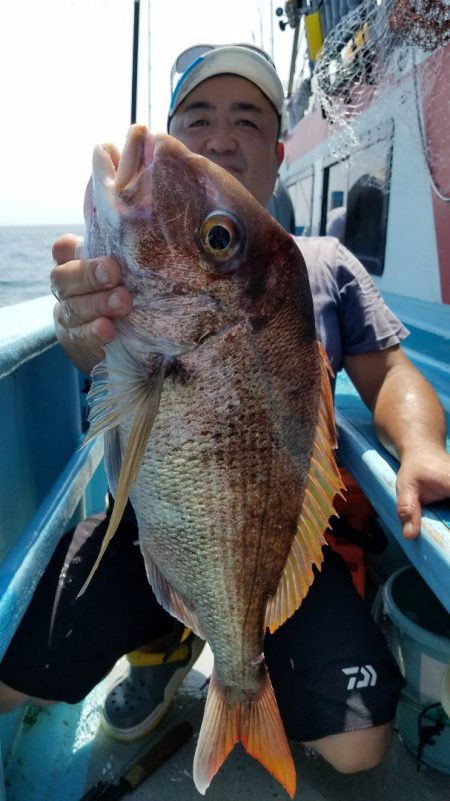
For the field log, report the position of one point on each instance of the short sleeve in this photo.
(367, 324)
(350, 313)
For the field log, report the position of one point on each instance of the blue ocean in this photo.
(26, 260)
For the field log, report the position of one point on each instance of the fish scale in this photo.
(216, 409)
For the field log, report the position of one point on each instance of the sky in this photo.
(65, 85)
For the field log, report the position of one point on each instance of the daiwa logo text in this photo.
(360, 676)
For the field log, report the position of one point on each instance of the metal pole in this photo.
(261, 37)
(293, 57)
(135, 61)
(149, 58)
(271, 29)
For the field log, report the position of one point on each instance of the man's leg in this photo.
(65, 645)
(10, 699)
(354, 751)
(335, 680)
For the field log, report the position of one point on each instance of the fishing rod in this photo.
(135, 61)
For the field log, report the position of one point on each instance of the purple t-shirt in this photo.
(351, 316)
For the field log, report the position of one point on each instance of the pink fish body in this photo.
(216, 408)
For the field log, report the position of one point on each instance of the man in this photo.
(226, 106)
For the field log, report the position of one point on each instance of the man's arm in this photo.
(410, 423)
(90, 297)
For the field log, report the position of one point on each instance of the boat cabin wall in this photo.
(371, 186)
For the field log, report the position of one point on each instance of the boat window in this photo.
(281, 206)
(355, 203)
(334, 199)
(301, 193)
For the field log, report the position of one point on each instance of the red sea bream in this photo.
(215, 404)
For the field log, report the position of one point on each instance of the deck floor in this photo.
(63, 751)
(241, 777)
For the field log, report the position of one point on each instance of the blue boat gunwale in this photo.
(27, 337)
(361, 453)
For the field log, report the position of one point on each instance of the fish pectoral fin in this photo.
(323, 484)
(122, 389)
(256, 724)
(170, 599)
(144, 417)
(112, 458)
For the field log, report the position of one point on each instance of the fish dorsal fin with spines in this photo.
(117, 394)
(323, 484)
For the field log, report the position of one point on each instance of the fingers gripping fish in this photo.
(215, 404)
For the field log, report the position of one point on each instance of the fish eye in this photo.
(221, 236)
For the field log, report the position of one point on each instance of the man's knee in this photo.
(11, 699)
(354, 751)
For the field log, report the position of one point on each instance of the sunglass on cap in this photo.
(188, 56)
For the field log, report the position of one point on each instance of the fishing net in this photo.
(425, 23)
(396, 49)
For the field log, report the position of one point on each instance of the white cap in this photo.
(243, 60)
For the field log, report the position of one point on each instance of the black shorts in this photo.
(329, 664)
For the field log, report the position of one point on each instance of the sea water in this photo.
(26, 260)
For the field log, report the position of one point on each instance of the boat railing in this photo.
(374, 469)
(49, 479)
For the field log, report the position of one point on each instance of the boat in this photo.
(366, 138)
(342, 124)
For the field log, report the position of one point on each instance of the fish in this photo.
(215, 405)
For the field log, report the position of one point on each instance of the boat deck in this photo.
(90, 755)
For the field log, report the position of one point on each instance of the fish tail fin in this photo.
(219, 733)
(256, 724)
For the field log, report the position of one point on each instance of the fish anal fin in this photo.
(256, 724)
(170, 599)
(323, 484)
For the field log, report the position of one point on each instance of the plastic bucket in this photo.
(417, 628)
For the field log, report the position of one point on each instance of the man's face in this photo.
(230, 121)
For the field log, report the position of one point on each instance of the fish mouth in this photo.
(109, 165)
(137, 155)
(126, 176)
